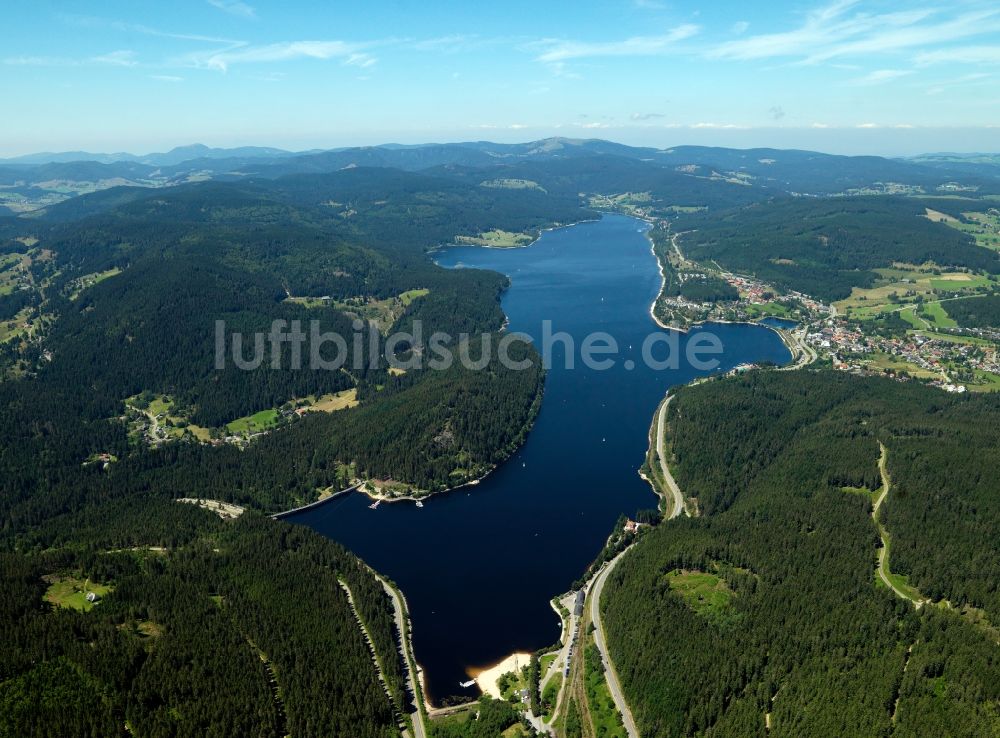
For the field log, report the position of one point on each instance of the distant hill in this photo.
(682, 175)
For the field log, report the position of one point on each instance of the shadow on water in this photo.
(479, 565)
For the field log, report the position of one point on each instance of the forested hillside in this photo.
(976, 312)
(825, 247)
(235, 628)
(793, 631)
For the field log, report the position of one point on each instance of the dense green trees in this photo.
(234, 628)
(825, 247)
(780, 463)
(975, 312)
(242, 631)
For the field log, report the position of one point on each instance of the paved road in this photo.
(399, 611)
(661, 453)
(609, 668)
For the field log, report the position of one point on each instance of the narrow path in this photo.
(272, 683)
(614, 686)
(883, 552)
(406, 650)
(368, 640)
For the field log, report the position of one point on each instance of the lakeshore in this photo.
(528, 530)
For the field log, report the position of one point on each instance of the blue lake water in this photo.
(479, 565)
(778, 323)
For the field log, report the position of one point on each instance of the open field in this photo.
(255, 423)
(511, 184)
(79, 284)
(887, 361)
(604, 715)
(767, 309)
(330, 403)
(985, 382)
(71, 593)
(905, 283)
(707, 594)
(384, 312)
(497, 239)
(984, 227)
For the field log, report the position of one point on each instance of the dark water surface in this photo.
(479, 565)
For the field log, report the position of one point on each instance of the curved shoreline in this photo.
(309, 506)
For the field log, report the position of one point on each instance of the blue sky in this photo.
(851, 76)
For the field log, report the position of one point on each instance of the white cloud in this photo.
(868, 125)
(234, 7)
(166, 78)
(720, 126)
(646, 116)
(740, 27)
(555, 51)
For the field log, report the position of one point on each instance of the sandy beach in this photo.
(486, 679)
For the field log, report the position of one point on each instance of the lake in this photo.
(479, 565)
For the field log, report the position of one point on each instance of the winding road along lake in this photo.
(479, 565)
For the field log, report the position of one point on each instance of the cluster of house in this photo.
(850, 349)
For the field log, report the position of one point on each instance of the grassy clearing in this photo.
(170, 422)
(939, 217)
(71, 593)
(512, 184)
(78, 285)
(707, 594)
(497, 239)
(863, 491)
(887, 361)
(604, 715)
(255, 423)
(331, 403)
(936, 314)
(550, 695)
(384, 312)
(410, 295)
(767, 309)
(904, 283)
(985, 382)
(984, 227)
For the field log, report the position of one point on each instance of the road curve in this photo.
(661, 453)
(609, 668)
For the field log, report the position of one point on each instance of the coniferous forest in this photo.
(797, 637)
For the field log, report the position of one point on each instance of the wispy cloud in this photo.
(351, 54)
(840, 29)
(556, 50)
(961, 55)
(234, 7)
(166, 78)
(880, 76)
(121, 58)
(646, 116)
